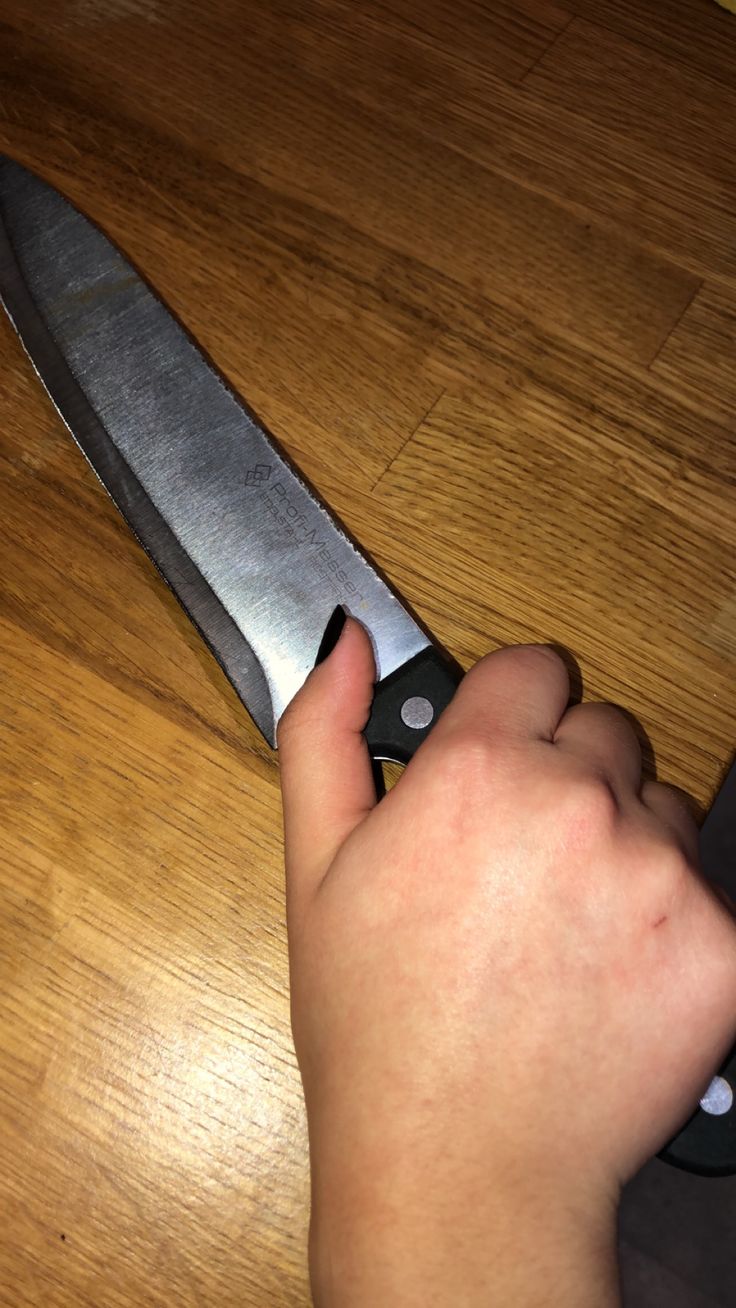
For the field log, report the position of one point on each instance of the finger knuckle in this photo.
(590, 808)
(468, 757)
(669, 869)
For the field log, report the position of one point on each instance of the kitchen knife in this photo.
(257, 561)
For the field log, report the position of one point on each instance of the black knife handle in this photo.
(408, 702)
(707, 1142)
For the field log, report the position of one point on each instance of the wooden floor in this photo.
(475, 264)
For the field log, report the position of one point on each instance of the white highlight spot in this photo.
(718, 1098)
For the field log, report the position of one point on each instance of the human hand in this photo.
(510, 985)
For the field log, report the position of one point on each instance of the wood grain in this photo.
(687, 33)
(318, 149)
(645, 146)
(474, 265)
(698, 357)
(662, 128)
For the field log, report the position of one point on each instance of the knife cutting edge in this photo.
(223, 513)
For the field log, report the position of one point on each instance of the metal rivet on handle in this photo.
(718, 1098)
(416, 712)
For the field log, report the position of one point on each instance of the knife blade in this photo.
(257, 560)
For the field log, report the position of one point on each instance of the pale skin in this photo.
(510, 986)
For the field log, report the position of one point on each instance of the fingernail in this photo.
(332, 634)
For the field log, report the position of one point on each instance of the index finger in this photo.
(519, 692)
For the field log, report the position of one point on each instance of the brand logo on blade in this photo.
(312, 532)
(256, 476)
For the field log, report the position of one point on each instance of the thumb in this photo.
(326, 773)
